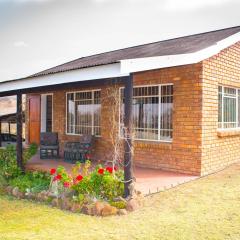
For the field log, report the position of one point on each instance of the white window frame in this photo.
(222, 112)
(159, 111)
(66, 113)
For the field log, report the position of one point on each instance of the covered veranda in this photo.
(148, 181)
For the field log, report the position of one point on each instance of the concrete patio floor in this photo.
(147, 180)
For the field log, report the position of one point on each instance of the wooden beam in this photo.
(19, 133)
(128, 158)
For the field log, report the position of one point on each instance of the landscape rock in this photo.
(98, 207)
(17, 193)
(109, 210)
(132, 205)
(122, 212)
(76, 207)
(55, 202)
(9, 190)
(87, 209)
(66, 204)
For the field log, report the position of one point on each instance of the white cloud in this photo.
(175, 5)
(20, 44)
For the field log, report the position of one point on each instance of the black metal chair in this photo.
(79, 151)
(49, 145)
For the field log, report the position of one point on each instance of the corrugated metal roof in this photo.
(181, 45)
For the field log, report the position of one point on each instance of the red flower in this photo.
(66, 184)
(100, 170)
(115, 168)
(88, 156)
(79, 178)
(109, 169)
(52, 171)
(58, 177)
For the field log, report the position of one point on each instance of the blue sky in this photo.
(38, 34)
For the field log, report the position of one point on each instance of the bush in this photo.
(32, 181)
(8, 163)
(8, 160)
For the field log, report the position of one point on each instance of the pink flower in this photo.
(66, 184)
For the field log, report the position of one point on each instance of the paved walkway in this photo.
(147, 180)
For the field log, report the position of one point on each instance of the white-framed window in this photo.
(228, 107)
(83, 112)
(152, 112)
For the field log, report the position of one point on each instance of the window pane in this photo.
(83, 116)
(146, 112)
(70, 113)
(145, 117)
(166, 112)
(97, 112)
(229, 115)
(84, 109)
(49, 114)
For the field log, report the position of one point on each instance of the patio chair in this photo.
(79, 151)
(49, 145)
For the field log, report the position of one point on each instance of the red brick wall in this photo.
(221, 69)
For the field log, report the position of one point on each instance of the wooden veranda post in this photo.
(0, 133)
(128, 160)
(19, 133)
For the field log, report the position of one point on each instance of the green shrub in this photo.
(101, 184)
(8, 160)
(31, 181)
(8, 163)
(119, 205)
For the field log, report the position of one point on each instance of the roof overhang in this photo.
(143, 64)
(120, 69)
(79, 75)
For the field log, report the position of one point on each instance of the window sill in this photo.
(152, 144)
(228, 132)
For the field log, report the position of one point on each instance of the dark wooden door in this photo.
(34, 118)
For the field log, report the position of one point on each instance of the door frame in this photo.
(41, 119)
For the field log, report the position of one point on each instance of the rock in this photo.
(55, 202)
(122, 212)
(98, 207)
(132, 205)
(9, 190)
(87, 209)
(16, 193)
(76, 207)
(30, 195)
(66, 204)
(109, 210)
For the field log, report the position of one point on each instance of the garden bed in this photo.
(90, 190)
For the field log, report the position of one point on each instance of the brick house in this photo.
(185, 105)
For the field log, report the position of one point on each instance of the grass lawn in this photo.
(208, 208)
